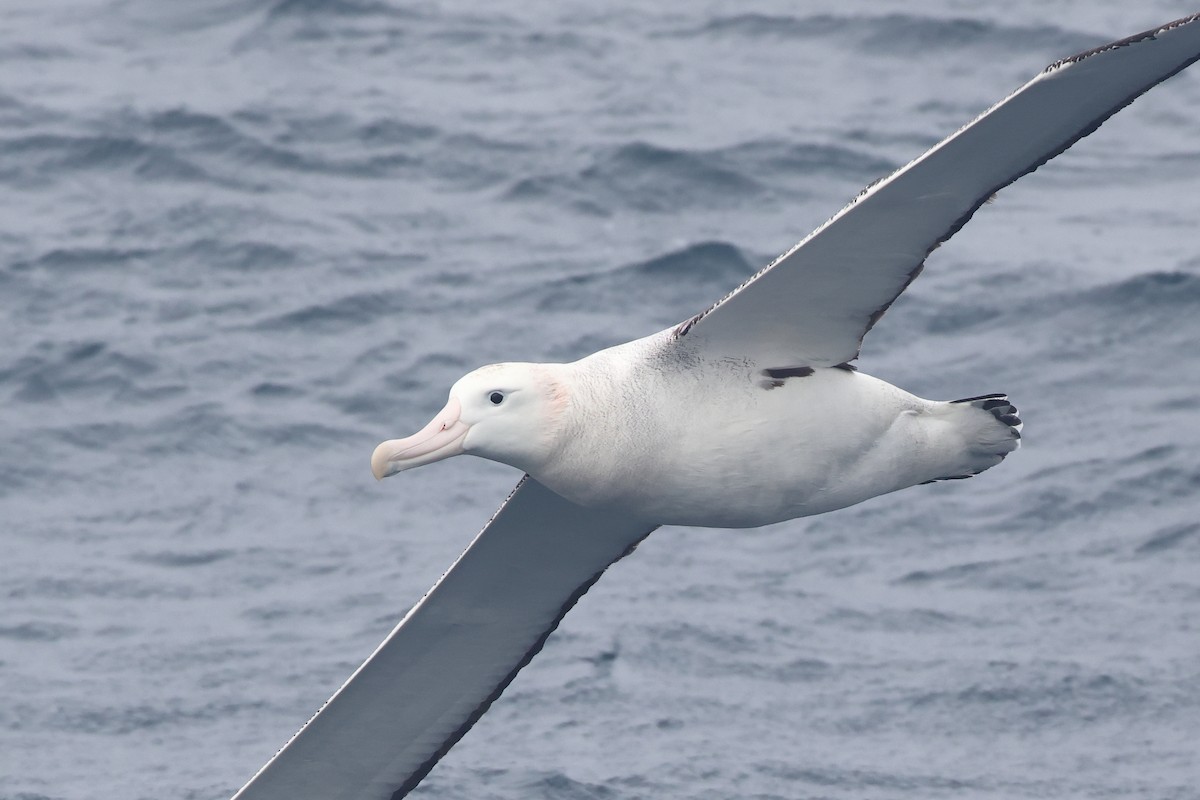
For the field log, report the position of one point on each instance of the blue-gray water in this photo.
(242, 242)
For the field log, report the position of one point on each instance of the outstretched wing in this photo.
(813, 305)
(452, 654)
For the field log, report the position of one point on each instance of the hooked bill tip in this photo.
(380, 465)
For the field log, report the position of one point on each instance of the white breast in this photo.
(695, 443)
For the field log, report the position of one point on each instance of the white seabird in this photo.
(746, 414)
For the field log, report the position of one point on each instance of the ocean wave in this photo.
(76, 586)
(1147, 291)
(1002, 574)
(1057, 694)
(557, 786)
(59, 369)
(177, 559)
(1083, 319)
(649, 178)
(291, 23)
(339, 8)
(1171, 539)
(687, 275)
(250, 151)
(40, 159)
(340, 314)
(893, 33)
(37, 631)
(73, 259)
(89, 717)
(645, 177)
(642, 177)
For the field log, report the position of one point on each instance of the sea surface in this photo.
(242, 242)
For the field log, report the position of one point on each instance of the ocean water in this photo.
(242, 242)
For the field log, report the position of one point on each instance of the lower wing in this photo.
(452, 654)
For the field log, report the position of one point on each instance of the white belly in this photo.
(749, 456)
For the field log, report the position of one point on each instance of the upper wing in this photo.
(452, 654)
(813, 305)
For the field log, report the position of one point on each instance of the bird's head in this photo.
(504, 412)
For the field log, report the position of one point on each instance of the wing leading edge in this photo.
(452, 654)
(813, 305)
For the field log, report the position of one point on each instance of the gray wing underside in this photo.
(452, 654)
(813, 305)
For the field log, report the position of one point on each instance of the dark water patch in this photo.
(908, 620)
(150, 19)
(82, 259)
(954, 318)
(768, 159)
(1095, 470)
(1167, 481)
(385, 354)
(716, 639)
(270, 613)
(904, 34)
(93, 589)
(1104, 486)
(371, 406)
(1170, 539)
(43, 158)
(175, 559)
(390, 132)
(569, 42)
(661, 178)
(288, 160)
(275, 391)
(644, 177)
(470, 161)
(20, 114)
(560, 787)
(1000, 574)
(770, 26)
(1151, 455)
(558, 190)
(340, 315)
(241, 256)
(285, 143)
(693, 275)
(1148, 291)
(867, 779)
(301, 434)
(207, 428)
(57, 369)
(893, 34)
(803, 669)
(159, 516)
(37, 632)
(97, 436)
(186, 127)
(338, 8)
(348, 22)
(17, 52)
(292, 128)
(1042, 697)
(706, 262)
(1189, 403)
(94, 719)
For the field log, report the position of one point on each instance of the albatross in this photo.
(748, 413)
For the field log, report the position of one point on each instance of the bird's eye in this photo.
(496, 397)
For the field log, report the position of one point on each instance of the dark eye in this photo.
(496, 397)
